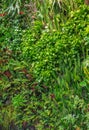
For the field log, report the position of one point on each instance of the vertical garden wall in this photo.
(44, 65)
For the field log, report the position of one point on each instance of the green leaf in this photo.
(83, 84)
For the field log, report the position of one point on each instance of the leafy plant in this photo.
(54, 49)
(44, 74)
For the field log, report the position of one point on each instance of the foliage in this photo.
(50, 12)
(44, 74)
(53, 50)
